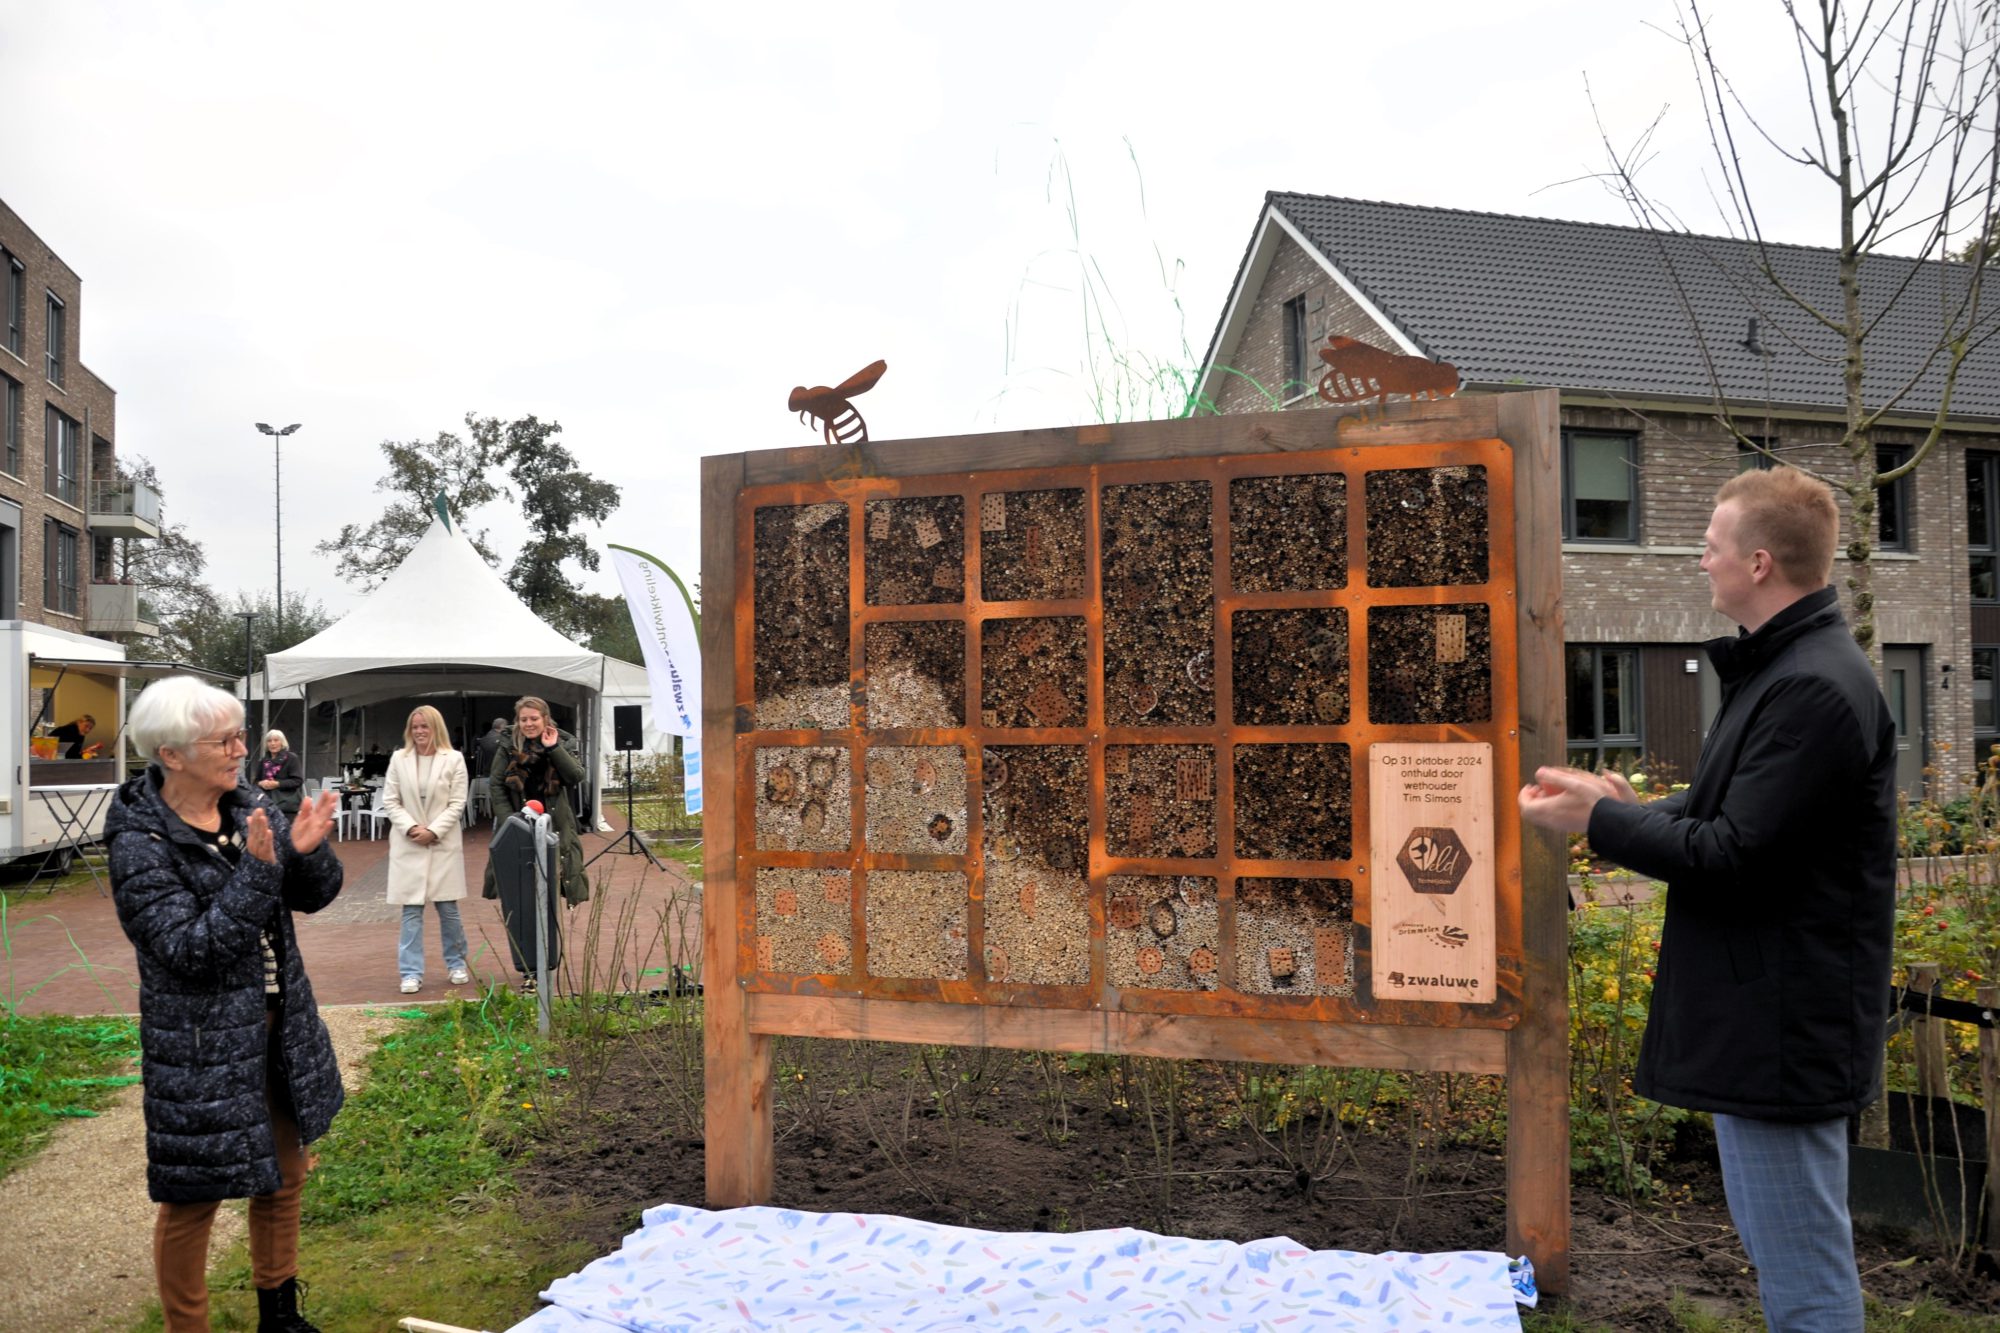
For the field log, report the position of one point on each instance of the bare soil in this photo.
(1024, 1142)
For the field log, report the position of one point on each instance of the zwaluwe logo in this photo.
(1452, 983)
(1433, 860)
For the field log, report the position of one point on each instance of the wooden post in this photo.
(1989, 1093)
(1538, 1047)
(1928, 1037)
(736, 1063)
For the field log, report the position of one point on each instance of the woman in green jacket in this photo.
(537, 762)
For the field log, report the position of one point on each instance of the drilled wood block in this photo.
(1430, 664)
(914, 799)
(801, 927)
(1164, 933)
(918, 535)
(1033, 672)
(803, 798)
(1161, 801)
(1294, 936)
(1016, 566)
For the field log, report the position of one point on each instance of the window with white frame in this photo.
(1602, 697)
(1600, 471)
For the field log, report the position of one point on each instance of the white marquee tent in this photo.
(441, 621)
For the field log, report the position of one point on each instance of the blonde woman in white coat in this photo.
(424, 796)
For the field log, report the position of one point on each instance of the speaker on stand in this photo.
(627, 735)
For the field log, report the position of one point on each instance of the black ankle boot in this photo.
(278, 1309)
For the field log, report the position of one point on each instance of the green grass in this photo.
(410, 1208)
(686, 854)
(447, 1094)
(54, 1067)
(478, 1269)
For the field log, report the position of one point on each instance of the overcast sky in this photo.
(649, 221)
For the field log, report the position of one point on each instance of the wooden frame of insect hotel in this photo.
(1189, 738)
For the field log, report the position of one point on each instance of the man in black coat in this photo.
(1771, 1003)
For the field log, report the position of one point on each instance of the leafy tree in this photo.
(419, 471)
(519, 461)
(214, 633)
(604, 625)
(557, 498)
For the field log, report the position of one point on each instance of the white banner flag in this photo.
(664, 619)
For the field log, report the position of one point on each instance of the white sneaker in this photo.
(461, 976)
(411, 985)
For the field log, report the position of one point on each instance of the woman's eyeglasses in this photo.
(240, 737)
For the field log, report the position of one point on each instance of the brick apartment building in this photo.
(1602, 314)
(63, 505)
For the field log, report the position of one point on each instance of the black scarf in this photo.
(531, 774)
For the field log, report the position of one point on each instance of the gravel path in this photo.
(77, 1243)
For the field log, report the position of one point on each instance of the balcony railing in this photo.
(123, 508)
(121, 608)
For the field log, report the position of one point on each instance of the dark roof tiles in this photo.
(1587, 306)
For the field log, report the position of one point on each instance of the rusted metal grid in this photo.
(944, 794)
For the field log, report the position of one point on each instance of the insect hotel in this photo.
(1192, 738)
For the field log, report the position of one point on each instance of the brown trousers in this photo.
(180, 1237)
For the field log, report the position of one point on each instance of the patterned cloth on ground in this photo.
(774, 1268)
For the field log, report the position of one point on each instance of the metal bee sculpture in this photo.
(832, 408)
(1357, 372)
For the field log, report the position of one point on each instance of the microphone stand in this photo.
(619, 844)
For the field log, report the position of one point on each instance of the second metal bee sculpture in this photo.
(832, 409)
(1357, 372)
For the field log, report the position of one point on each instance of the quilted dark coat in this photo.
(197, 924)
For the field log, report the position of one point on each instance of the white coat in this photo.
(419, 874)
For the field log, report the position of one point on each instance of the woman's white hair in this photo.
(283, 744)
(172, 713)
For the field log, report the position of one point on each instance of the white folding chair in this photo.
(479, 800)
(374, 815)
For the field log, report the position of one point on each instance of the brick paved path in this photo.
(64, 952)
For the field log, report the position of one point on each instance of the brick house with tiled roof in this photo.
(1637, 330)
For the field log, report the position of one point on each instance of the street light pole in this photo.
(277, 435)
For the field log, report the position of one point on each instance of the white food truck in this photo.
(57, 786)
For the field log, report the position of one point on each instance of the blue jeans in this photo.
(410, 948)
(1787, 1188)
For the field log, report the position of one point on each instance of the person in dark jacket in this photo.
(72, 735)
(239, 1071)
(537, 762)
(1771, 1003)
(278, 773)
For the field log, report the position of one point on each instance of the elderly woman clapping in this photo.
(239, 1070)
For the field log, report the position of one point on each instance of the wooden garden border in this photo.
(1529, 1044)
